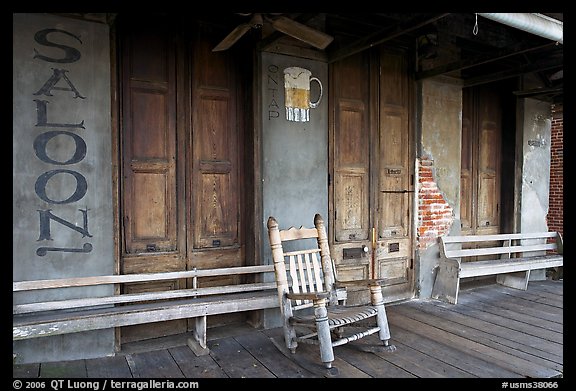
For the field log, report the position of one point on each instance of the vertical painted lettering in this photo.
(54, 186)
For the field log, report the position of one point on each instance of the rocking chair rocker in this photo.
(304, 281)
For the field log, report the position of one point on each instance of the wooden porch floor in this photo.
(493, 332)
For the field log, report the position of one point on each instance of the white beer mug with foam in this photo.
(297, 93)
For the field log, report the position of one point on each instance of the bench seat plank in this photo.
(499, 266)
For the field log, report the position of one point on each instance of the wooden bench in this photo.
(46, 318)
(510, 257)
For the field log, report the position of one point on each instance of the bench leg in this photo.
(198, 342)
(517, 280)
(447, 283)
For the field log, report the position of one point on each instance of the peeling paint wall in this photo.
(439, 144)
(537, 123)
(536, 141)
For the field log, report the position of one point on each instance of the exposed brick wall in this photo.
(556, 202)
(434, 214)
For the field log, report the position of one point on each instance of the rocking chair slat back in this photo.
(305, 274)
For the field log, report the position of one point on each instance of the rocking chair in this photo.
(306, 278)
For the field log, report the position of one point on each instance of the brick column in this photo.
(555, 217)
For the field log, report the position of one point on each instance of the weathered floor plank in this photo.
(493, 332)
(108, 368)
(25, 370)
(64, 369)
(556, 288)
(512, 314)
(506, 340)
(236, 361)
(469, 340)
(450, 355)
(260, 346)
(154, 364)
(505, 300)
(193, 366)
(412, 361)
(308, 356)
(534, 295)
(507, 331)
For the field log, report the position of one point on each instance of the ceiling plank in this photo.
(383, 36)
(529, 68)
(478, 60)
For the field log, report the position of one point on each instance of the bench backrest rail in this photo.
(494, 237)
(473, 252)
(195, 291)
(449, 244)
(139, 297)
(19, 286)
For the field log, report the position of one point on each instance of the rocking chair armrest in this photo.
(366, 282)
(308, 296)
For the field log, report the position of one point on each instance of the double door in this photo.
(371, 171)
(480, 204)
(180, 132)
(480, 178)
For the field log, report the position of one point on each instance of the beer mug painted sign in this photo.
(297, 94)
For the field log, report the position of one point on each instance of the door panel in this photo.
(351, 230)
(351, 174)
(393, 249)
(488, 178)
(149, 169)
(215, 161)
(149, 146)
(394, 175)
(215, 198)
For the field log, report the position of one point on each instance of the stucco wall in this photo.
(294, 154)
(62, 189)
(440, 142)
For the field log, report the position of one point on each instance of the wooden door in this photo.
(480, 165)
(181, 159)
(395, 187)
(372, 187)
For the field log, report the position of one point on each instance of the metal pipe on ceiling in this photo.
(534, 23)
